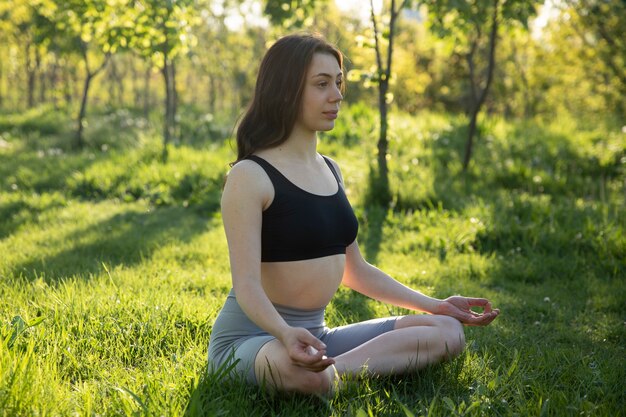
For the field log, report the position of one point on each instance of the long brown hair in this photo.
(273, 111)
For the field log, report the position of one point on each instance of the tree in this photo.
(162, 31)
(290, 14)
(475, 25)
(29, 25)
(380, 182)
(601, 26)
(90, 30)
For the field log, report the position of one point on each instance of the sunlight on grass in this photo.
(114, 267)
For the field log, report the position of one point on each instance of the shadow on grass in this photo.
(220, 394)
(123, 239)
(16, 212)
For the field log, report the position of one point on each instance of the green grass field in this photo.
(113, 267)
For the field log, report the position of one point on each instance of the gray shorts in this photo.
(236, 340)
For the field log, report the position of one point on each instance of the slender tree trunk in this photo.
(120, 83)
(174, 103)
(30, 77)
(135, 85)
(112, 78)
(146, 92)
(483, 94)
(168, 125)
(383, 146)
(2, 83)
(79, 142)
(382, 192)
(42, 77)
(211, 94)
(53, 81)
(67, 85)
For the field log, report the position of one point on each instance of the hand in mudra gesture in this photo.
(461, 309)
(305, 350)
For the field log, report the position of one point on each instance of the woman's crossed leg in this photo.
(415, 342)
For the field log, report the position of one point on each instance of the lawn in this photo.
(113, 266)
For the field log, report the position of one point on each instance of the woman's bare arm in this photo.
(246, 193)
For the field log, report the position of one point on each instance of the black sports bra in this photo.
(300, 225)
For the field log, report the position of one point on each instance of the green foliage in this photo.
(162, 29)
(43, 120)
(291, 14)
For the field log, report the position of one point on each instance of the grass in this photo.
(114, 267)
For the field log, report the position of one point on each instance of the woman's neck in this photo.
(300, 146)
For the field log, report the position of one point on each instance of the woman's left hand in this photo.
(461, 309)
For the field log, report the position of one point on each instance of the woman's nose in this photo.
(337, 96)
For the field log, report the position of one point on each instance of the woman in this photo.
(292, 241)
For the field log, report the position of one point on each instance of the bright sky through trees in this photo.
(251, 12)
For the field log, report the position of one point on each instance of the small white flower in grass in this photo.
(546, 299)
(537, 179)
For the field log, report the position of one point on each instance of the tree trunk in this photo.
(112, 78)
(135, 85)
(168, 122)
(146, 92)
(79, 142)
(30, 78)
(1, 84)
(382, 193)
(174, 103)
(52, 80)
(483, 94)
(67, 85)
(212, 94)
(42, 78)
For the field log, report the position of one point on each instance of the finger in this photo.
(478, 302)
(317, 366)
(312, 341)
(304, 357)
(483, 320)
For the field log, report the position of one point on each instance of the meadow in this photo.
(113, 266)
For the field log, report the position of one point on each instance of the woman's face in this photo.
(322, 95)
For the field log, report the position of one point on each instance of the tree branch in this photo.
(493, 36)
(376, 41)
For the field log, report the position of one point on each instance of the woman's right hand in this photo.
(305, 350)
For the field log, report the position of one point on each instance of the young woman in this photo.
(292, 241)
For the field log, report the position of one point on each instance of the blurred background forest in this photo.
(189, 65)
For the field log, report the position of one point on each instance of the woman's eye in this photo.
(322, 84)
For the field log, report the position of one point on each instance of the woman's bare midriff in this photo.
(307, 284)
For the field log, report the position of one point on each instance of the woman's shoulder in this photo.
(334, 164)
(249, 175)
